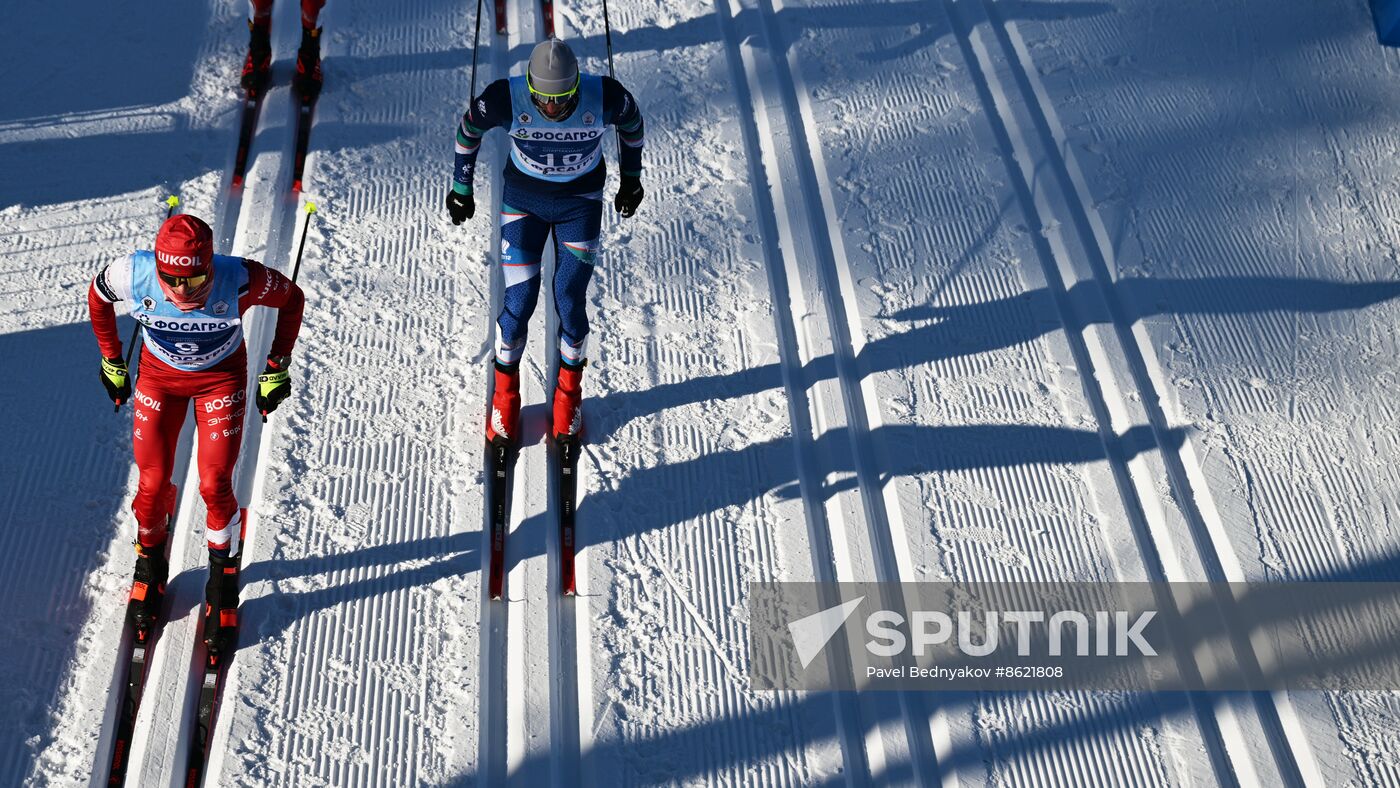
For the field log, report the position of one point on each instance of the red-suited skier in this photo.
(258, 63)
(189, 302)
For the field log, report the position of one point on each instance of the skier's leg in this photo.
(219, 408)
(523, 236)
(311, 12)
(258, 63)
(575, 253)
(159, 414)
(262, 11)
(308, 77)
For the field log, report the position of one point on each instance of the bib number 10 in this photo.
(569, 160)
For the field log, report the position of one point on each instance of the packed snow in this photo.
(920, 290)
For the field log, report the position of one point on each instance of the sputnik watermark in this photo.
(1113, 633)
(1117, 636)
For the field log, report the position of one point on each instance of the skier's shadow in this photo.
(65, 462)
(946, 332)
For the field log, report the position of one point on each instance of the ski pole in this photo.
(170, 203)
(607, 30)
(476, 41)
(301, 247)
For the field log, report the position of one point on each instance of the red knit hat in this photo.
(184, 246)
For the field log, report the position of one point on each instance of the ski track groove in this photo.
(568, 626)
(1300, 194)
(1272, 722)
(1282, 729)
(492, 740)
(644, 286)
(353, 549)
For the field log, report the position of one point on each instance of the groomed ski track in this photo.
(920, 291)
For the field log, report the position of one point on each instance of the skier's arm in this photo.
(621, 110)
(112, 284)
(267, 287)
(487, 111)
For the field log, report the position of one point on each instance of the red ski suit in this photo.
(220, 394)
(310, 11)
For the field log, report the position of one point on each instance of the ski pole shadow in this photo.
(301, 587)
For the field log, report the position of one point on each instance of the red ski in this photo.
(547, 10)
(501, 17)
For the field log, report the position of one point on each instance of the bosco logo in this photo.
(223, 402)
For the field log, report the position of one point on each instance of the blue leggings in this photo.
(526, 219)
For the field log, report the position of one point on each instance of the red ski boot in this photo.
(568, 395)
(308, 78)
(258, 64)
(502, 422)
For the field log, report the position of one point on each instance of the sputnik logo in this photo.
(810, 634)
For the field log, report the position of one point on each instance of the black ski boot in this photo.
(258, 65)
(307, 81)
(147, 587)
(221, 604)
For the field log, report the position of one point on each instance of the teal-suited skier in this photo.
(557, 118)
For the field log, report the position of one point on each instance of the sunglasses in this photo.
(552, 99)
(184, 281)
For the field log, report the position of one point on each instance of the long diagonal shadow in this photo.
(967, 329)
(1117, 712)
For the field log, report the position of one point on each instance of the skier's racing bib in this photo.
(196, 340)
(557, 151)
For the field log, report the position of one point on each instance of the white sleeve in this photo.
(113, 282)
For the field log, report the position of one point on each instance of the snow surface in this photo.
(944, 289)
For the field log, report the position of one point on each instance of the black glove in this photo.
(629, 195)
(116, 379)
(460, 206)
(274, 384)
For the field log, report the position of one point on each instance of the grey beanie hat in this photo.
(553, 67)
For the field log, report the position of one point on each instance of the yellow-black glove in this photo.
(274, 384)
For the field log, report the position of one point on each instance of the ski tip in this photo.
(296, 186)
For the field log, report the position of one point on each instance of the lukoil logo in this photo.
(1105, 633)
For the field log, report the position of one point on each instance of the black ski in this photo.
(567, 484)
(500, 459)
(252, 103)
(138, 644)
(210, 689)
(306, 110)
